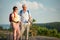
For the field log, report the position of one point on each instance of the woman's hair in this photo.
(14, 8)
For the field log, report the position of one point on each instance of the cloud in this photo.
(30, 5)
(52, 9)
(33, 5)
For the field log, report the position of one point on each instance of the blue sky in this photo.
(43, 11)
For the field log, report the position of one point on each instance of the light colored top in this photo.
(24, 16)
(16, 18)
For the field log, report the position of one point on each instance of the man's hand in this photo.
(30, 22)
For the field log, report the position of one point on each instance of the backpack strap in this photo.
(28, 11)
(22, 10)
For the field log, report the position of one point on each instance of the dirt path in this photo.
(38, 38)
(10, 37)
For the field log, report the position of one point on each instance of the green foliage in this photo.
(33, 20)
(45, 31)
(10, 29)
(52, 25)
(36, 30)
(58, 35)
(1, 27)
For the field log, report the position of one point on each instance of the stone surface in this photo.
(37, 38)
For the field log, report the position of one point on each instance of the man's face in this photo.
(24, 7)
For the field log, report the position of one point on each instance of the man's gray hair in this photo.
(24, 5)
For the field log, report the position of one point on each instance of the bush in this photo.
(45, 31)
(58, 35)
(1, 28)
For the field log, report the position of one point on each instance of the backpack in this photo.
(22, 10)
(10, 18)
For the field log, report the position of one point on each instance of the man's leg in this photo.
(23, 27)
(27, 32)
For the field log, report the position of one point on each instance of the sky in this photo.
(43, 11)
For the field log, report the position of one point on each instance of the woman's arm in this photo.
(12, 17)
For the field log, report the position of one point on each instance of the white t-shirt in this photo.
(24, 16)
(16, 18)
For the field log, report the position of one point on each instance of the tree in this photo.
(1, 28)
(33, 20)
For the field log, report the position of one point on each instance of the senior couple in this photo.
(20, 22)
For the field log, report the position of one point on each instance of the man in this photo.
(14, 19)
(25, 20)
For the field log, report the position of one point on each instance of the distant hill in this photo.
(51, 25)
(5, 26)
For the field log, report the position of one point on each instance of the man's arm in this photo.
(30, 19)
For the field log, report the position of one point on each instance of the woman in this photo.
(15, 23)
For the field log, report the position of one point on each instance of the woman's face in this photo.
(16, 9)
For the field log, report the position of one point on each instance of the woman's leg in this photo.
(18, 34)
(14, 31)
(18, 31)
(14, 35)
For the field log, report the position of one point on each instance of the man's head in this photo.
(24, 7)
(15, 9)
